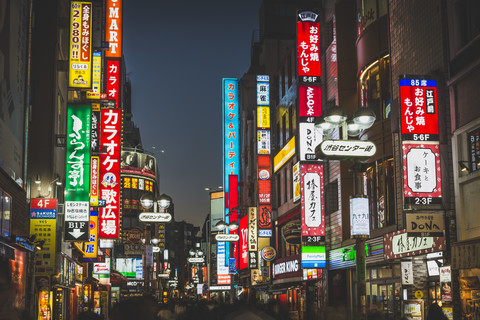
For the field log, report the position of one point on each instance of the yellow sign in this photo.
(418, 294)
(90, 248)
(80, 59)
(286, 153)
(263, 117)
(43, 224)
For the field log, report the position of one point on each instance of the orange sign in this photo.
(114, 29)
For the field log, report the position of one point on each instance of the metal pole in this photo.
(146, 267)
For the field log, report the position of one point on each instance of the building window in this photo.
(375, 88)
(380, 190)
(467, 21)
(331, 197)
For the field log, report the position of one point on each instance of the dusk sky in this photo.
(177, 53)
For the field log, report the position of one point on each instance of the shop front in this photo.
(287, 285)
(466, 265)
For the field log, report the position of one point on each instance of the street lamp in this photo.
(164, 201)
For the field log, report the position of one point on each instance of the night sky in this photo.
(177, 53)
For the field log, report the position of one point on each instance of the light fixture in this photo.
(221, 225)
(154, 241)
(164, 201)
(463, 166)
(364, 117)
(353, 129)
(191, 252)
(58, 180)
(37, 180)
(320, 123)
(200, 253)
(39, 245)
(233, 225)
(146, 200)
(335, 116)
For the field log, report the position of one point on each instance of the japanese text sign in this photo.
(43, 222)
(96, 76)
(296, 181)
(312, 199)
(90, 248)
(341, 149)
(398, 245)
(263, 117)
(308, 47)
(263, 93)
(114, 29)
(77, 185)
(113, 81)
(95, 128)
(407, 272)
(263, 141)
(243, 242)
(421, 170)
(310, 138)
(108, 219)
(80, 59)
(252, 229)
(419, 109)
(95, 169)
(309, 101)
(359, 217)
(231, 155)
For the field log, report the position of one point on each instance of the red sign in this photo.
(419, 110)
(111, 120)
(264, 216)
(308, 50)
(312, 198)
(113, 81)
(421, 173)
(43, 204)
(310, 101)
(243, 242)
(114, 28)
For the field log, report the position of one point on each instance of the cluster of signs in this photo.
(93, 139)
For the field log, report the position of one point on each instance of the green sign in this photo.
(77, 185)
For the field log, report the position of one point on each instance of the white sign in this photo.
(359, 217)
(252, 229)
(219, 288)
(155, 217)
(421, 170)
(347, 148)
(196, 260)
(101, 268)
(296, 182)
(445, 274)
(407, 272)
(156, 249)
(227, 237)
(311, 187)
(199, 288)
(265, 233)
(77, 211)
(310, 138)
(106, 243)
(402, 243)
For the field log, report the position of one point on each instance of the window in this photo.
(331, 197)
(380, 190)
(375, 88)
(467, 21)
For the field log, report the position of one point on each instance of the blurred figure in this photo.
(435, 313)
(7, 308)
(144, 308)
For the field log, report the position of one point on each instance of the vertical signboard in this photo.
(114, 28)
(252, 229)
(309, 101)
(43, 224)
(243, 242)
(80, 59)
(222, 270)
(90, 248)
(108, 219)
(421, 173)
(113, 80)
(77, 187)
(95, 128)
(296, 181)
(359, 217)
(312, 200)
(308, 47)
(96, 76)
(231, 155)
(95, 167)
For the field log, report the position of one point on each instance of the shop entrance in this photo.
(385, 297)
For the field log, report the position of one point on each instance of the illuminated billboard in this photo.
(422, 181)
(419, 109)
(111, 120)
(96, 76)
(243, 242)
(80, 59)
(231, 153)
(263, 91)
(308, 47)
(312, 199)
(113, 80)
(309, 101)
(283, 155)
(263, 117)
(43, 224)
(138, 164)
(113, 34)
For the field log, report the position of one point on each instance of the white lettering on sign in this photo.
(285, 267)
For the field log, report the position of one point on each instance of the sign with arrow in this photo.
(77, 220)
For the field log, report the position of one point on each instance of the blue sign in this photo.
(102, 203)
(265, 233)
(43, 214)
(232, 265)
(231, 130)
